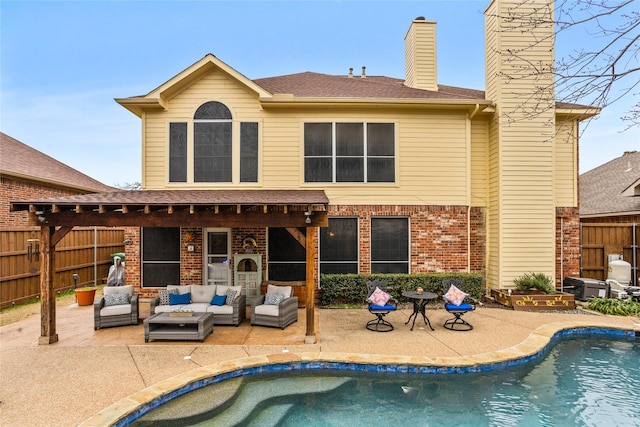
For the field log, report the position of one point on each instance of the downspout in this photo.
(635, 258)
(561, 253)
(469, 238)
(95, 256)
(473, 113)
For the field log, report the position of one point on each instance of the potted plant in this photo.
(86, 295)
(534, 291)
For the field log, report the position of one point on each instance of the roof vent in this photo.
(364, 75)
(420, 18)
(350, 72)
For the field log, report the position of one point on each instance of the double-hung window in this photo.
(287, 257)
(160, 256)
(349, 152)
(339, 246)
(389, 245)
(212, 147)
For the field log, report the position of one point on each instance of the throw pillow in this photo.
(164, 295)
(231, 297)
(116, 299)
(178, 299)
(273, 299)
(454, 295)
(218, 300)
(379, 297)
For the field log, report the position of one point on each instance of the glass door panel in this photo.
(217, 255)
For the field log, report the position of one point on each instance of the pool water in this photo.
(578, 382)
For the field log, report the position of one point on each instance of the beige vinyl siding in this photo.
(431, 157)
(566, 168)
(525, 167)
(213, 86)
(479, 162)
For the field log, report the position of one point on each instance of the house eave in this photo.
(139, 104)
(288, 101)
(578, 114)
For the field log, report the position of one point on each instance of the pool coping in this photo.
(132, 407)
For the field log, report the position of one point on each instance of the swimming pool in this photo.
(587, 378)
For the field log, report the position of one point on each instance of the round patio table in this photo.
(419, 303)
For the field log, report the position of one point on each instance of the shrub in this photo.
(615, 307)
(539, 281)
(351, 289)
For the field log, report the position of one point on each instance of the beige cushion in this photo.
(267, 310)
(285, 291)
(115, 310)
(200, 293)
(220, 309)
(111, 290)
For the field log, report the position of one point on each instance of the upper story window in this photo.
(349, 152)
(212, 143)
(212, 147)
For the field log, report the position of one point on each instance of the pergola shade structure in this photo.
(172, 208)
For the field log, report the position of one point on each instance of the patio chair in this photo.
(119, 306)
(278, 308)
(380, 304)
(457, 302)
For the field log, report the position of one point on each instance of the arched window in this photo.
(212, 147)
(212, 143)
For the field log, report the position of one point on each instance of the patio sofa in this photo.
(211, 298)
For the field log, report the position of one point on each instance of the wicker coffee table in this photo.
(164, 326)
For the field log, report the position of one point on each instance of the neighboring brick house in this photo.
(28, 173)
(402, 175)
(610, 193)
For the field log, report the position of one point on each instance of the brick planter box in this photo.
(534, 300)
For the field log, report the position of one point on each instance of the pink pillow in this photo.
(455, 296)
(379, 297)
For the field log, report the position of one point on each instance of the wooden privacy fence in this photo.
(85, 251)
(599, 241)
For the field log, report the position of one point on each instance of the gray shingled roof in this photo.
(19, 160)
(601, 188)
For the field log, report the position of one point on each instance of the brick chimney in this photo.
(420, 55)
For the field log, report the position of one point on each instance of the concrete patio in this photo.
(92, 377)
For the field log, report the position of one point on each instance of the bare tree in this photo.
(129, 186)
(599, 72)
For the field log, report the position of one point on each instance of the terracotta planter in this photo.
(534, 300)
(85, 296)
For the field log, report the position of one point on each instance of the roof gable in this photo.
(157, 98)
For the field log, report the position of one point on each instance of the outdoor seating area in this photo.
(28, 374)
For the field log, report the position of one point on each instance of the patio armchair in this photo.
(380, 304)
(277, 308)
(119, 306)
(457, 302)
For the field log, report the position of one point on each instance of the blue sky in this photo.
(63, 63)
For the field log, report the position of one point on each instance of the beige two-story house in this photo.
(392, 175)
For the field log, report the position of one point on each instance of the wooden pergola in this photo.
(173, 208)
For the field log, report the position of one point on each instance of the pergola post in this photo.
(48, 333)
(310, 244)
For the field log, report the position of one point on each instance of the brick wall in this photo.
(15, 189)
(440, 241)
